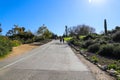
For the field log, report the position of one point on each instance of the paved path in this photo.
(52, 61)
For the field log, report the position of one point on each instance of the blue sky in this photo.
(55, 14)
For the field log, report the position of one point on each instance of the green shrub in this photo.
(112, 66)
(75, 42)
(88, 43)
(116, 51)
(106, 38)
(94, 48)
(116, 36)
(106, 50)
(5, 46)
(116, 44)
(102, 42)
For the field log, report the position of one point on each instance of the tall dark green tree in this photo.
(0, 28)
(105, 26)
(66, 30)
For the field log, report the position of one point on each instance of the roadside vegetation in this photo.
(19, 35)
(103, 49)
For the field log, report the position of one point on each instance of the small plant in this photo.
(112, 66)
(94, 59)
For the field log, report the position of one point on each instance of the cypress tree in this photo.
(105, 26)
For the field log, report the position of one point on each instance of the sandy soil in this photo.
(22, 49)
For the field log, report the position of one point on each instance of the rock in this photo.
(118, 76)
(104, 67)
(99, 65)
(82, 51)
(112, 72)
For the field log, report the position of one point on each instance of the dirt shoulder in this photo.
(99, 74)
(22, 49)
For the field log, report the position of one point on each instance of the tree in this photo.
(9, 33)
(19, 33)
(105, 26)
(44, 32)
(0, 28)
(81, 30)
(66, 30)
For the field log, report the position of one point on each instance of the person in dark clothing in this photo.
(60, 39)
(63, 40)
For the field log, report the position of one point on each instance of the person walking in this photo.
(60, 39)
(63, 40)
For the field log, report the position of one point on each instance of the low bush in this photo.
(94, 48)
(75, 42)
(88, 43)
(116, 52)
(106, 50)
(102, 42)
(116, 36)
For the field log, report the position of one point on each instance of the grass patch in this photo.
(81, 37)
(68, 38)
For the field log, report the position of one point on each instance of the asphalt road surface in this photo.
(52, 61)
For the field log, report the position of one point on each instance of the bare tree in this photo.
(81, 30)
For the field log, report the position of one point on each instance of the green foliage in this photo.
(44, 32)
(106, 50)
(88, 37)
(94, 59)
(116, 36)
(112, 66)
(94, 48)
(67, 38)
(19, 33)
(75, 42)
(103, 42)
(5, 46)
(82, 37)
(87, 43)
(15, 43)
(116, 52)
